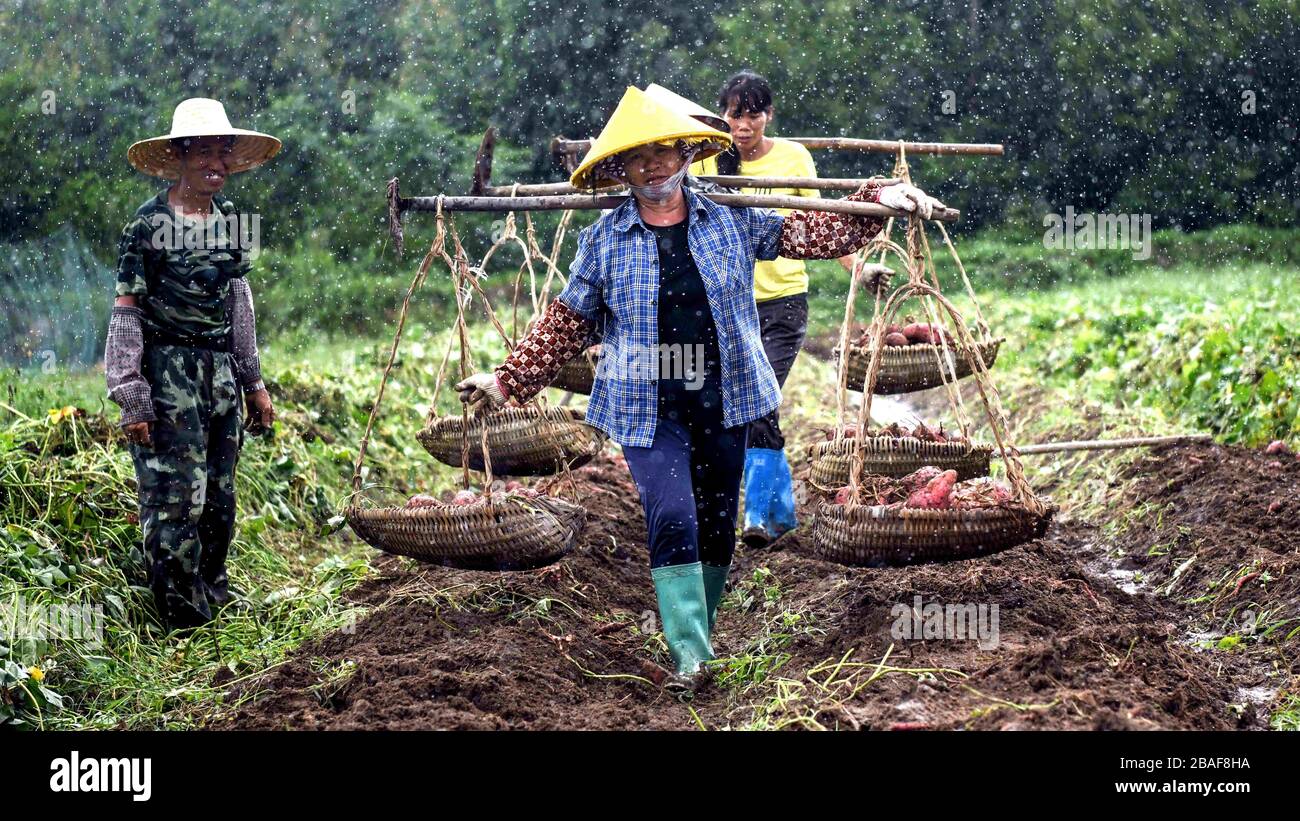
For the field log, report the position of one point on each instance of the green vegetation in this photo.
(1195, 346)
(1204, 343)
(69, 535)
(1173, 108)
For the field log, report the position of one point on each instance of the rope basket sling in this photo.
(532, 440)
(875, 535)
(896, 456)
(578, 375)
(892, 535)
(917, 367)
(497, 532)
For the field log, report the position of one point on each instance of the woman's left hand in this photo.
(911, 199)
(261, 416)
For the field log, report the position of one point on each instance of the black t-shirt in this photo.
(690, 370)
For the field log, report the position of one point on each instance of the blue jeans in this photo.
(689, 481)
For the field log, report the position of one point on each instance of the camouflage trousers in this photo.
(187, 479)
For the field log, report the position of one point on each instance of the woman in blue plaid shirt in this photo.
(669, 276)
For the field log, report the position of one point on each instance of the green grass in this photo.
(68, 534)
(1211, 349)
(1198, 345)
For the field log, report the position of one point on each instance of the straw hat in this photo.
(641, 120)
(201, 117)
(688, 107)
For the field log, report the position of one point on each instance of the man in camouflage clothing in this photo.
(186, 478)
(181, 344)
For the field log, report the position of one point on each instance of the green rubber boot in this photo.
(685, 618)
(715, 582)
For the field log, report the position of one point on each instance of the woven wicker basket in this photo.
(908, 368)
(511, 534)
(880, 536)
(527, 441)
(894, 457)
(578, 375)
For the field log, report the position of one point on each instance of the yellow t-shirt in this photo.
(778, 277)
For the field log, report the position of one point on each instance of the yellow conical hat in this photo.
(641, 120)
(690, 108)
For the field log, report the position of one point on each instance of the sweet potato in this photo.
(1275, 447)
(843, 495)
(465, 497)
(917, 333)
(919, 478)
(936, 493)
(421, 500)
(896, 340)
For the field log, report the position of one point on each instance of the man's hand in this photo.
(261, 416)
(482, 392)
(138, 433)
(911, 199)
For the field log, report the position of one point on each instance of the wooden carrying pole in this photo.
(726, 181)
(562, 147)
(578, 202)
(1111, 444)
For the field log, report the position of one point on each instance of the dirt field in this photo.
(1098, 627)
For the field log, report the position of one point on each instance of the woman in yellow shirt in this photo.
(780, 289)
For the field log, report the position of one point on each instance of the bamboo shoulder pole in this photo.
(891, 146)
(726, 181)
(561, 146)
(579, 202)
(530, 189)
(818, 183)
(1112, 444)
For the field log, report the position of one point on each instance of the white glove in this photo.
(482, 392)
(911, 199)
(875, 276)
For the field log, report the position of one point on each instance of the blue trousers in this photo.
(689, 481)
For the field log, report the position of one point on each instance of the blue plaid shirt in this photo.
(614, 282)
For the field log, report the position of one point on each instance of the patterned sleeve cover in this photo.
(538, 357)
(562, 331)
(826, 235)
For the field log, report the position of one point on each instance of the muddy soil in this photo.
(810, 644)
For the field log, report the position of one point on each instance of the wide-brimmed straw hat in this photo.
(201, 117)
(688, 107)
(641, 120)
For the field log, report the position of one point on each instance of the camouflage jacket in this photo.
(181, 274)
